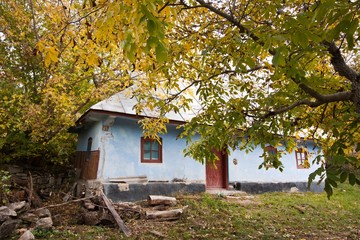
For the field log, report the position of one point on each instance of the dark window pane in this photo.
(155, 146)
(89, 144)
(146, 154)
(155, 155)
(147, 146)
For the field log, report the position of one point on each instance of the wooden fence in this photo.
(88, 162)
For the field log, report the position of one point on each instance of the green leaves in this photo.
(130, 45)
(152, 28)
(354, 179)
(156, 30)
(322, 9)
(258, 74)
(161, 53)
(343, 177)
(300, 38)
(329, 187)
(351, 30)
(247, 71)
(279, 58)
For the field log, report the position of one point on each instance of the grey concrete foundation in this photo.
(138, 191)
(254, 187)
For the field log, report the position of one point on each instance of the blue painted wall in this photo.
(246, 169)
(92, 130)
(120, 146)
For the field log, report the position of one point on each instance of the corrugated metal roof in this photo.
(124, 102)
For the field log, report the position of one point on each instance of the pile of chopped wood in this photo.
(27, 215)
(99, 210)
(161, 210)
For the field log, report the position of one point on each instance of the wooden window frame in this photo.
(301, 156)
(143, 160)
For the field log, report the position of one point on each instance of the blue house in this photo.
(112, 150)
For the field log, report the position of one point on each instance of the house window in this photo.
(88, 149)
(302, 160)
(151, 150)
(270, 156)
(89, 144)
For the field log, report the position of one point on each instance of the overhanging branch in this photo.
(339, 96)
(337, 62)
(336, 97)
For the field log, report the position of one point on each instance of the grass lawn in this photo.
(264, 216)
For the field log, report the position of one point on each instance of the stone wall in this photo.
(123, 192)
(45, 180)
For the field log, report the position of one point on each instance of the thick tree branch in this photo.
(336, 97)
(346, 71)
(339, 96)
(337, 61)
(340, 65)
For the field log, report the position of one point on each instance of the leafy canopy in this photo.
(264, 72)
(50, 72)
(267, 70)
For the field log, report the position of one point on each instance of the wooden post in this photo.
(116, 216)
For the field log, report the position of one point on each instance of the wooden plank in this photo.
(116, 216)
(80, 162)
(130, 179)
(88, 164)
(93, 165)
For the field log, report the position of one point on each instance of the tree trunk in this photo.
(356, 94)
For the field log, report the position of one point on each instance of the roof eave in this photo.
(83, 118)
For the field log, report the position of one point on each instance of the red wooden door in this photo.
(216, 174)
